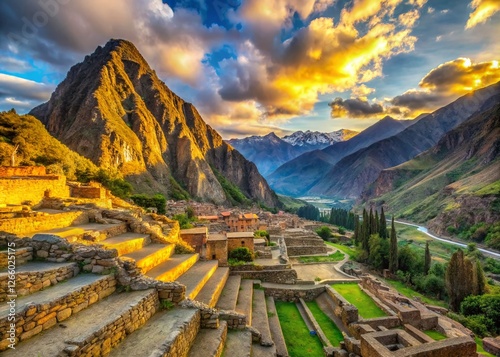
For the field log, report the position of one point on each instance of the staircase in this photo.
(75, 314)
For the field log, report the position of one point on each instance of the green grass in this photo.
(331, 330)
(290, 202)
(335, 257)
(297, 338)
(491, 189)
(480, 349)
(410, 293)
(437, 336)
(353, 294)
(347, 250)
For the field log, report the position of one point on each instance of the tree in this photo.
(242, 254)
(382, 227)
(480, 279)
(365, 231)
(376, 223)
(427, 261)
(393, 250)
(357, 231)
(324, 232)
(190, 212)
(461, 279)
(379, 252)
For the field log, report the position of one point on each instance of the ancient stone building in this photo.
(217, 248)
(240, 239)
(195, 237)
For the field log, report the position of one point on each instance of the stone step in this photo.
(98, 329)
(196, 277)
(209, 342)
(44, 309)
(213, 288)
(127, 242)
(260, 319)
(151, 256)
(238, 344)
(245, 297)
(275, 327)
(229, 295)
(173, 268)
(35, 276)
(262, 351)
(168, 333)
(94, 232)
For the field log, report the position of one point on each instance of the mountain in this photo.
(297, 176)
(349, 177)
(267, 152)
(113, 109)
(312, 140)
(454, 185)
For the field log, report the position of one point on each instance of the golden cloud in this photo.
(483, 10)
(323, 57)
(447, 82)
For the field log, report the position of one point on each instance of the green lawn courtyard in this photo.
(353, 294)
(329, 328)
(299, 342)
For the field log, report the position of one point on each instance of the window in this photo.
(213, 257)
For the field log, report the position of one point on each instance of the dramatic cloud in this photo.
(355, 108)
(285, 78)
(22, 93)
(447, 82)
(482, 11)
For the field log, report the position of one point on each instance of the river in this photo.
(426, 231)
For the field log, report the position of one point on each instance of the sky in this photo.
(256, 66)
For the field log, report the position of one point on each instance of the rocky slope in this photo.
(351, 175)
(315, 140)
(454, 184)
(267, 152)
(114, 110)
(297, 176)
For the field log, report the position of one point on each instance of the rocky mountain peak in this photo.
(113, 109)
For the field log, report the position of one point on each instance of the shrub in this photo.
(324, 232)
(159, 201)
(341, 230)
(242, 254)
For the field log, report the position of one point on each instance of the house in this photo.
(216, 248)
(195, 237)
(240, 239)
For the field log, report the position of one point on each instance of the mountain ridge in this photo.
(143, 129)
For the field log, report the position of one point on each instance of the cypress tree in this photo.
(371, 225)
(393, 250)
(376, 223)
(427, 261)
(364, 230)
(382, 228)
(480, 279)
(461, 279)
(356, 231)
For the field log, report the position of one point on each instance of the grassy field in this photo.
(347, 250)
(353, 294)
(297, 338)
(410, 293)
(480, 349)
(437, 336)
(290, 202)
(331, 330)
(440, 251)
(335, 257)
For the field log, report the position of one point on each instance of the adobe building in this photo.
(216, 248)
(240, 239)
(242, 222)
(195, 237)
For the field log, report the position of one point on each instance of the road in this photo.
(426, 231)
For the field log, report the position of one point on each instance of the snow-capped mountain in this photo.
(318, 140)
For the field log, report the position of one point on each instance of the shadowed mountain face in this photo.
(114, 110)
(297, 176)
(454, 184)
(351, 175)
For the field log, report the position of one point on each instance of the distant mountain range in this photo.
(452, 186)
(269, 152)
(114, 110)
(298, 176)
(312, 140)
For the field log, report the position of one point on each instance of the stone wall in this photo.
(306, 250)
(296, 242)
(29, 283)
(258, 267)
(182, 341)
(33, 319)
(23, 255)
(101, 341)
(285, 276)
(211, 317)
(16, 191)
(9, 171)
(217, 248)
(20, 226)
(93, 191)
(294, 293)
